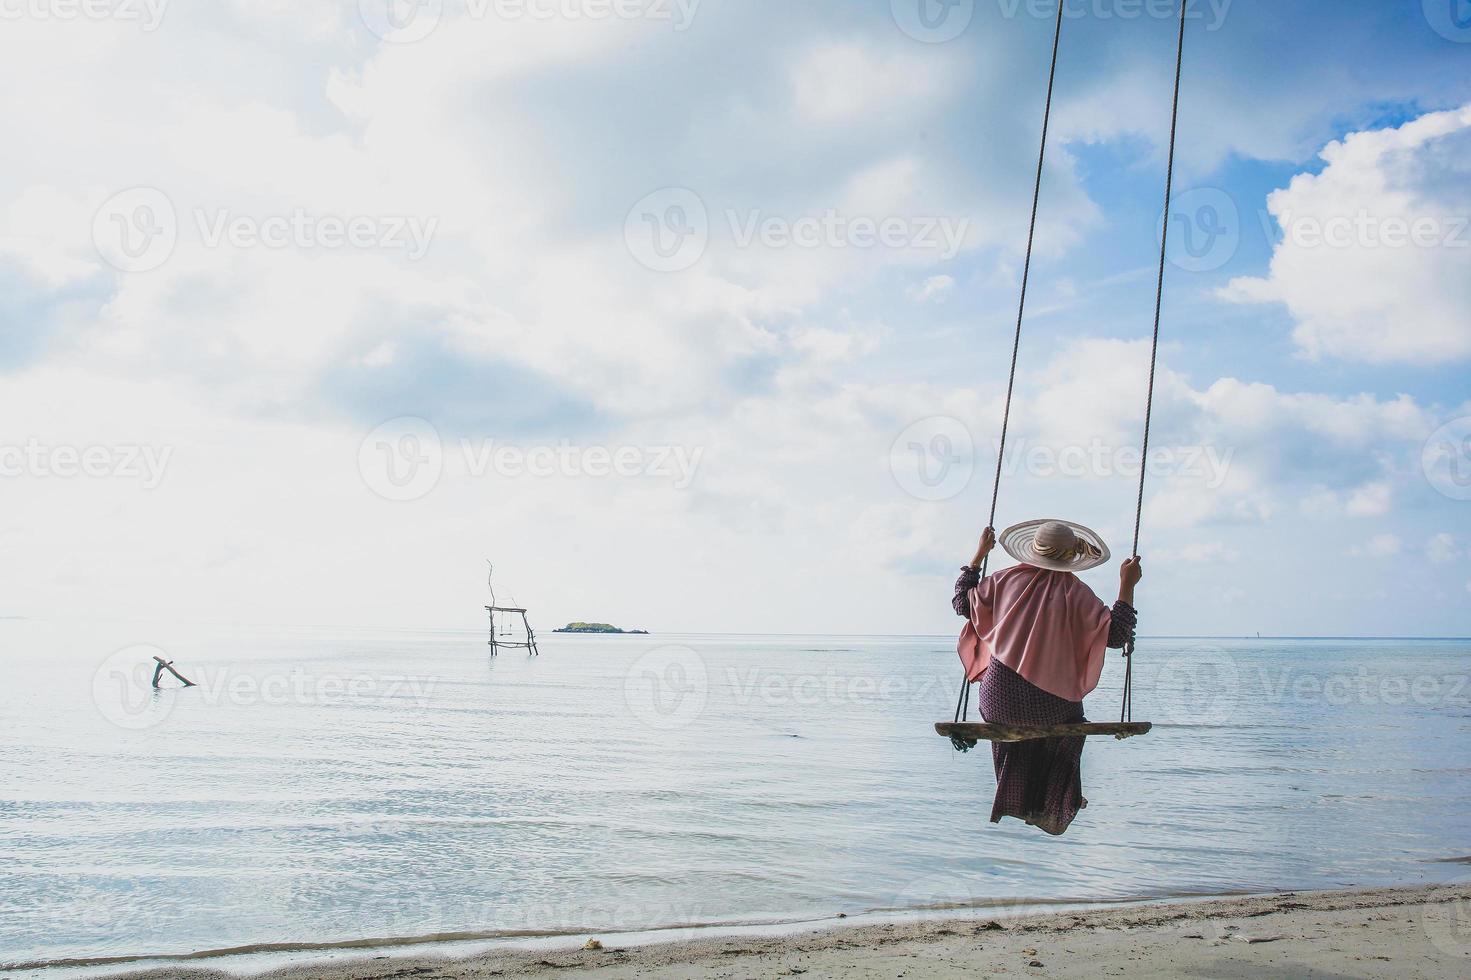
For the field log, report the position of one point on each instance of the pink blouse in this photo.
(1047, 626)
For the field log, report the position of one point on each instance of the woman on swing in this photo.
(1035, 637)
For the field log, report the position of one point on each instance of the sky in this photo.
(695, 315)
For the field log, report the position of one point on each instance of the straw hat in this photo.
(1061, 546)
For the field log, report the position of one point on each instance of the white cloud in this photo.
(1370, 500)
(1379, 546)
(528, 142)
(1233, 451)
(1375, 260)
(1356, 420)
(826, 345)
(1442, 548)
(934, 289)
(847, 82)
(1197, 553)
(41, 231)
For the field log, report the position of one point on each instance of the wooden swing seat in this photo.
(1026, 733)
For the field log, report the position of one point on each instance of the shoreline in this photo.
(254, 959)
(1384, 932)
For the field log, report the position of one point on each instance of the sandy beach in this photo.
(1401, 933)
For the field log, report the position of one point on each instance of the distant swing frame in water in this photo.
(505, 630)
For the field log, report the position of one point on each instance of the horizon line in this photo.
(655, 633)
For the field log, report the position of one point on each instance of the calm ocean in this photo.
(326, 784)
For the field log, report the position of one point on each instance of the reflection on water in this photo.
(327, 785)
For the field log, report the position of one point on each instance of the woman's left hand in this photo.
(988, 541)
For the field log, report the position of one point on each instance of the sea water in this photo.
(328, 785)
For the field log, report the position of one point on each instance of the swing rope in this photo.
(1126, 713)
(962, 707)
(1021, 309)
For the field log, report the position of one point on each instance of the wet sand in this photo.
(1400, 933)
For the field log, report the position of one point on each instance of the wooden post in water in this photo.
(530, 635)
(168, 665)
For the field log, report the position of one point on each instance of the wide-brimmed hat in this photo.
(1061, 546)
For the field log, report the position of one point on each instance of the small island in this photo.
(599, 628)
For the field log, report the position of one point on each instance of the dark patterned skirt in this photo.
(1040, 782)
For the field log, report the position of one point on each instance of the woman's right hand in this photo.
(1131, 572)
